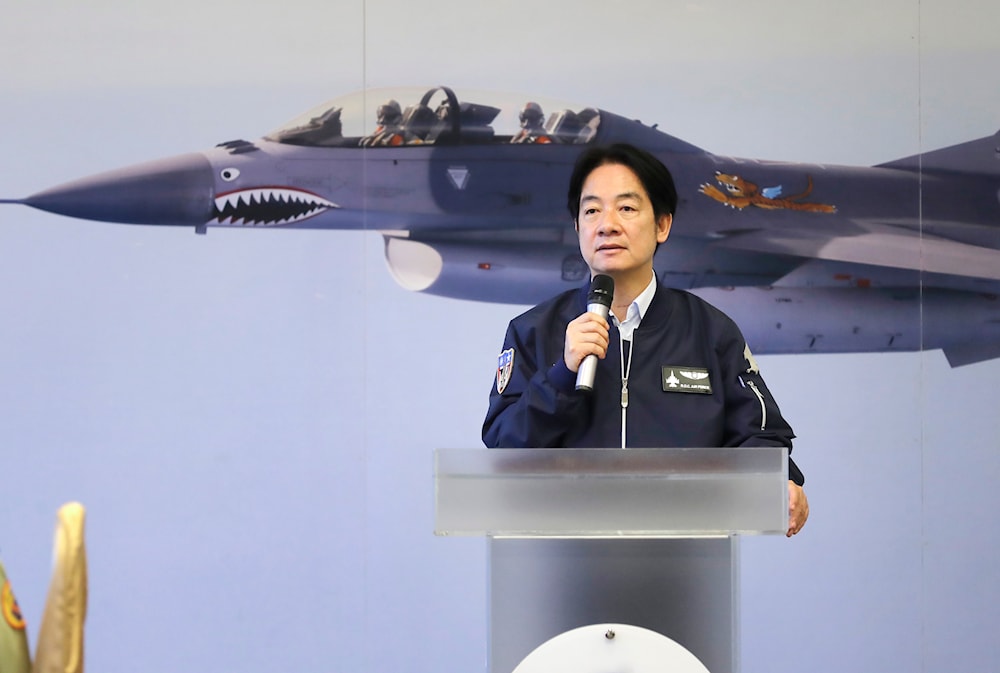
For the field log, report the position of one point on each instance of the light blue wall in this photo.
(255, 454)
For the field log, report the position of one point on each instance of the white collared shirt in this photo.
(636, 310)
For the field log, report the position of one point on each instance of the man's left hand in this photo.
(798, 508)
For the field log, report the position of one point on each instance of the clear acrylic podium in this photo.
(646, 537)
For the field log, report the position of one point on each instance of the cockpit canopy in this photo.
(438, 116)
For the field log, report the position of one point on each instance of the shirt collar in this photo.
(636, 310)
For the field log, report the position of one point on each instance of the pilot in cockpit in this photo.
(532, 125)
(389, 132)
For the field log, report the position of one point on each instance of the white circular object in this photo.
(609, 648)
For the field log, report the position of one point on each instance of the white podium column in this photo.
(683, 588)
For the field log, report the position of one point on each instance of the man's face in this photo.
(617, 228)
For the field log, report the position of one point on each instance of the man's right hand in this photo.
(586, 335)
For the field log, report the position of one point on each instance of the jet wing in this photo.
(877, 245)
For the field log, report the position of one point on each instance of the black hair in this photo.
(654, 176)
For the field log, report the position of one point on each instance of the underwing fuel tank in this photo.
(502, 273)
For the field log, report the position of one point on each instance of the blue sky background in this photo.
(255, 452)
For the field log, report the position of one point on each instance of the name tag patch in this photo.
(681, 379)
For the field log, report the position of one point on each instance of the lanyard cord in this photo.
(626, 368)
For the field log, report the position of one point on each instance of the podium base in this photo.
(683, 588)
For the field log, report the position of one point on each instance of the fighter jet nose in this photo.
(178, 190)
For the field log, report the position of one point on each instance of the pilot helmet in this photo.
(389, 113)
(443, 111)
(531, 115)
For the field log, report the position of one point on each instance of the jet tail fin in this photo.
(980, 156)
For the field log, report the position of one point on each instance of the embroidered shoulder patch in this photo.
(681, 379)
(752, 367)
(505, 364)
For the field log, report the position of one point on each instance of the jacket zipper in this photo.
(626, 370)
(763, 407)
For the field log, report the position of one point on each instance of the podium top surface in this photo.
(611, 492)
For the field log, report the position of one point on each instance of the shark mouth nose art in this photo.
(267, 207)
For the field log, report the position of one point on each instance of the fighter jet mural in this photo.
(469, 195)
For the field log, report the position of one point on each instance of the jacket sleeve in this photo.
(537, 404)
(752, 415)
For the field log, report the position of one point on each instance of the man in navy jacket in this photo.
(673, 370)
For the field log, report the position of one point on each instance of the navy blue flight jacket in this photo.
(534, 403)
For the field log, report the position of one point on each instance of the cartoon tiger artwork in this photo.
(742, 193)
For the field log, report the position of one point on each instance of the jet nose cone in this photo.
(178, 190)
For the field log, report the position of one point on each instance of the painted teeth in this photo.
(270, 206)
(250, 197)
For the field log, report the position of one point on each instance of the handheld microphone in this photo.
(602, 290)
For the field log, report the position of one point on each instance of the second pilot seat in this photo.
(532, 126)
